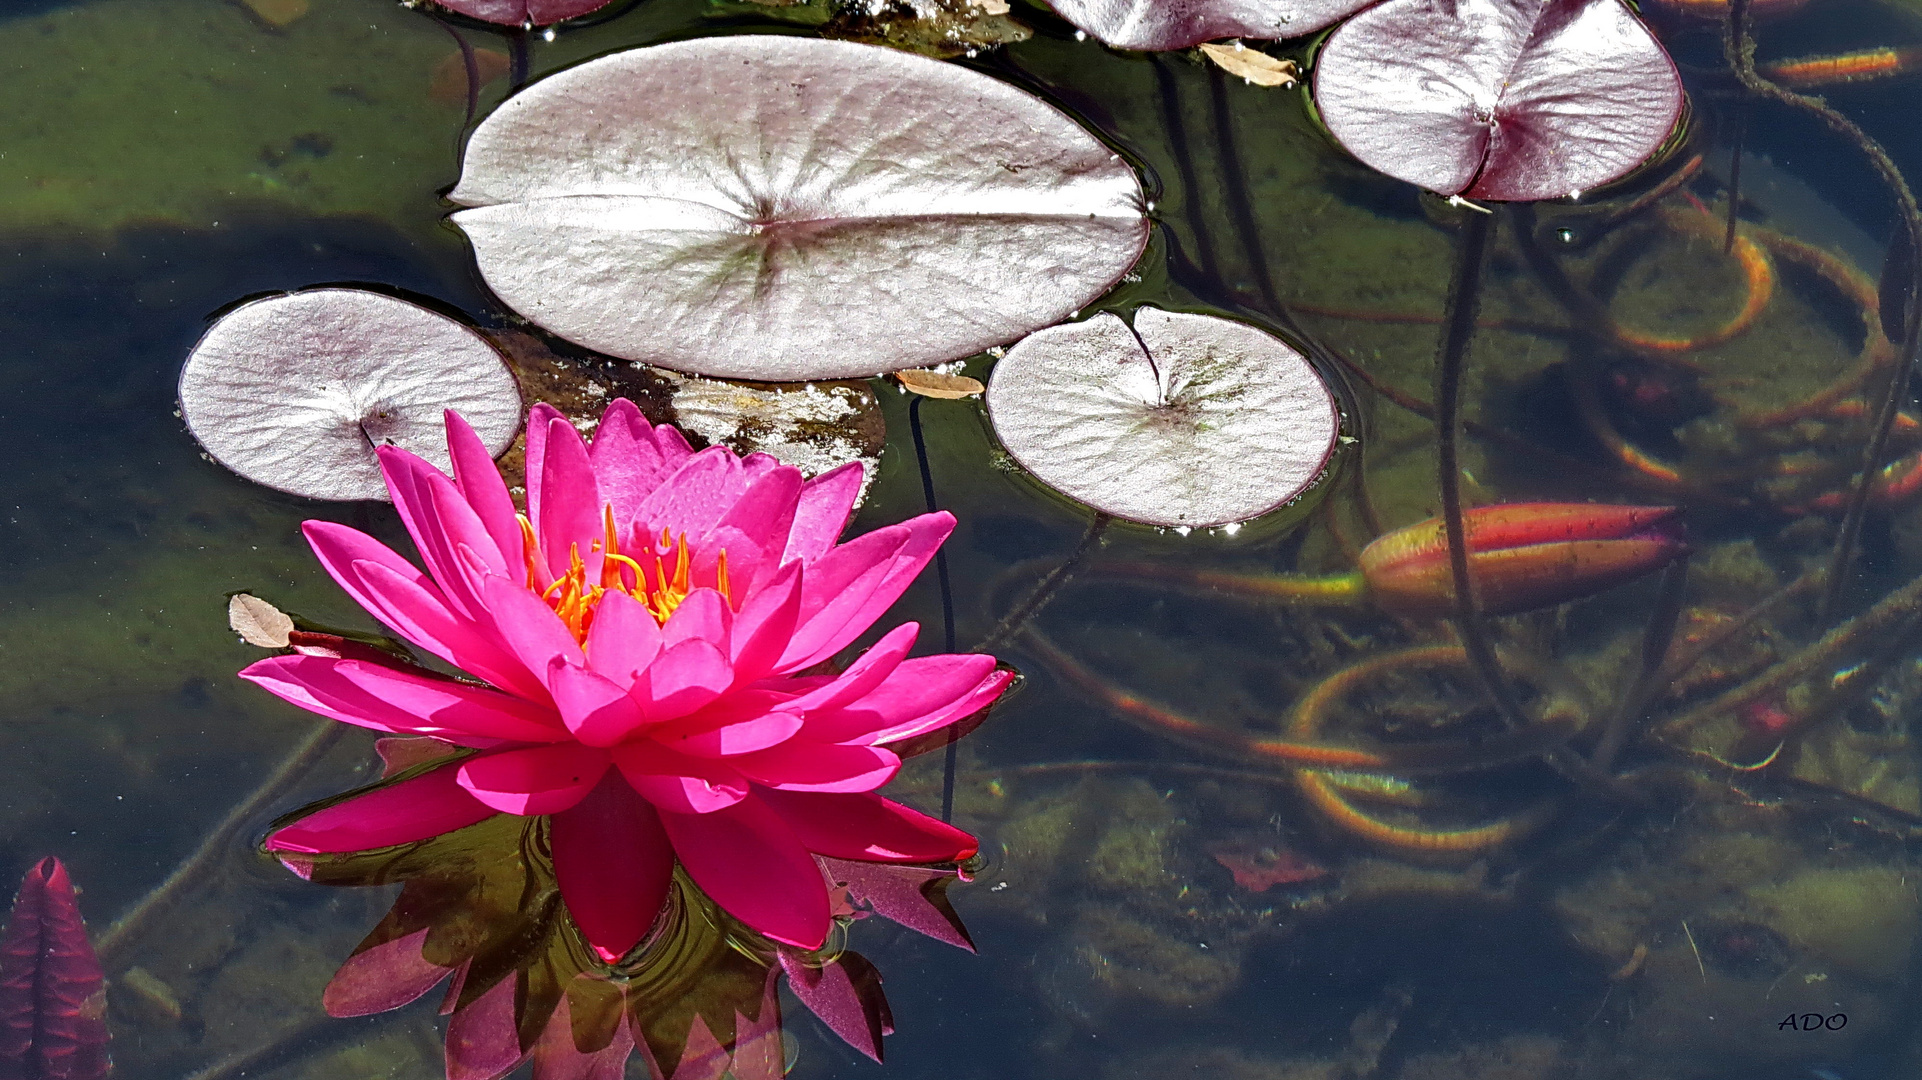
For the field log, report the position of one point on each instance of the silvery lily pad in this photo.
(523, 12)
(1159, 25)
(296, 391)
(1185, 420)
(1498, 99)
(782, 209)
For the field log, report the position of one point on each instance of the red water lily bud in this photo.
(1523, 555)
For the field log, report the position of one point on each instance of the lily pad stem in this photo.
(1016, 620)
(1464, 296)
(947, 594)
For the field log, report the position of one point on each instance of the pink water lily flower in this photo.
(642, 633)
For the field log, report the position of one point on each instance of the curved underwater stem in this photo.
(1333, 590)
(1738, 45)
(130, 925)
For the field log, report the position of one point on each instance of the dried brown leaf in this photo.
(1252, 64)
(936, 384)
(258, 622)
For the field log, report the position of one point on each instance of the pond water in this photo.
(1144, 906)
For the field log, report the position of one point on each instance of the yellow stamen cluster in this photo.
(660, 588)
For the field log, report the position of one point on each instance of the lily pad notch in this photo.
(780, 209)
(297, 391)
(1181, 420)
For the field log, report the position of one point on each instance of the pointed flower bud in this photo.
(1523, 556)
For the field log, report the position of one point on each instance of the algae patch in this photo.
(172, 110)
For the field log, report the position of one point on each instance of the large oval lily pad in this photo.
(1160, 25)
(780, 208)
(296, 391)
(1498, 99)
(1184, 420)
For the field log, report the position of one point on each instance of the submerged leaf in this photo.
(781, 208)
(1498, 99)
(53, 995)
(1159, 25)
(1184, 420)
(297, 391)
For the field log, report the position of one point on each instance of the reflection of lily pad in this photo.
(1159, 25)
(523, 12)
(296, 391)
(1498, 99)
(783, 208)
(1184, 420)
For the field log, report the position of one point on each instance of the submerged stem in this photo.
(1016, 620)
(1464, 296)
(128, 928)
(1738, 45)
(947, 595)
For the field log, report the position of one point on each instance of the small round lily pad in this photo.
(296, 391)
(1184, 420)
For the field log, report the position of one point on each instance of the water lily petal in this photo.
(925, 534)
(914, 689)
(982, 696)
(748, 861)
(693, 499)
(312, 683)
(798, 765)
(822, 512)
(738, 723)
(682, 679)
(594, 707)
(868, 671)
(481, 485)
(439, 519)
(679, 783)
(765, 511)
(382, 978)
(836, 585)
(703, 616)
(613, 862)
(427, 805)
(534, 454)
(530, 628)
(631, 457)
(481, 1039)
(868, 827)
(453, 706)
(572, 511)
(534, 780)
(765, 623)
(623, 640)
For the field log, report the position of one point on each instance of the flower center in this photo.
(660, 579)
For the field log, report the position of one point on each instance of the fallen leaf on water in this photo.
(53, 995)
(936, 384)
(1260, 867)
(1252, 64)
(449, 83)
(277, 13)
(257, 622)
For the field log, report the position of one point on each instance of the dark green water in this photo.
(159, 162)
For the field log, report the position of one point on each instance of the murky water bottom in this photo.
(1146, 909)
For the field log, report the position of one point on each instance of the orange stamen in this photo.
(575, 599)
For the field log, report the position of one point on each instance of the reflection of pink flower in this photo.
(641, 631)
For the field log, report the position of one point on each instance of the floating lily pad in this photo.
(1160, 25)
(1184, 420)
(523, 12)
(780, 208)
(1498, 99)
(296, 391)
